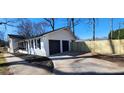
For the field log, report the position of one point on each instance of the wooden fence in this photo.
(99, 46)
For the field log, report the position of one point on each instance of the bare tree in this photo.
(50, 22)
(111, 28)
(39, 28)
(73, 25)
(2, 35)
(25, 28)
(29, 29)
(72, 22)
(92, 22)
(8, 22)
(68, 23)
(94, 28)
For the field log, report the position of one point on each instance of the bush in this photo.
(41, 62)
(116, 33)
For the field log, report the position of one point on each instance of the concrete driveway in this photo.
(67, 65)
(18, 68)
(85, 65)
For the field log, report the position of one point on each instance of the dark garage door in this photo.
(54, 46)
(65, 45)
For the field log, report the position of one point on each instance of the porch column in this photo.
(61, 48)
(28, 47)
(69, 45)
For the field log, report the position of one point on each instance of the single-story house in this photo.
(46, 44)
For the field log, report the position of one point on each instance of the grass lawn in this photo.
(3, 70)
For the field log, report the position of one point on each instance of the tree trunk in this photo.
(111, 28)
(94, 28)
(53, 24)
(73, 29)
(69, 23)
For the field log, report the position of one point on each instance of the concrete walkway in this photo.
(21, 69)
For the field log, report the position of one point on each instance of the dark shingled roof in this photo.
(15, 36)
(21, 37)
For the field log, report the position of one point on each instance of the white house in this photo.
(46, 44)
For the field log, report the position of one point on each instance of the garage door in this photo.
(54, 46)
(65, 45)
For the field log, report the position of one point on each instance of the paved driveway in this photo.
(85, 65)
(66, 64)
(18, 68)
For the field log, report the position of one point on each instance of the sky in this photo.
(82, 30)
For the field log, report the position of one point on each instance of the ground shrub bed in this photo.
(39, 61)
(3, 70)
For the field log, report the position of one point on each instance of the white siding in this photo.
(58, 35)
(13, 44)
(44, 51)
(36, 51)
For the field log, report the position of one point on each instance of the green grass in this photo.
(3, 70)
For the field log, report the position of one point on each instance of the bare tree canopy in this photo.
(50, 22)
(29, 29)
(92, 22)
(111, 28)
(8, 22)
(38, 28)
(25, 28)
(2, 35)
(72, 22)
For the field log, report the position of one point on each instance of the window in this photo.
(38, 44)
(32, 44)
(21, 45)
(29, 44)
(26, 45)
(35, 43)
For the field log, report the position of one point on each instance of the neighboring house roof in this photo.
(16, 36)
(21, 37)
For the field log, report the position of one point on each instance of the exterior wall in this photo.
(44, 42)
(36, 51)
(101, 46)
(46, 46)
(58, 35)
(12, 45)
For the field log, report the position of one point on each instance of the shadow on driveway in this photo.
(38, 65)
(55, 71)
(58, 72)
(50, 67)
